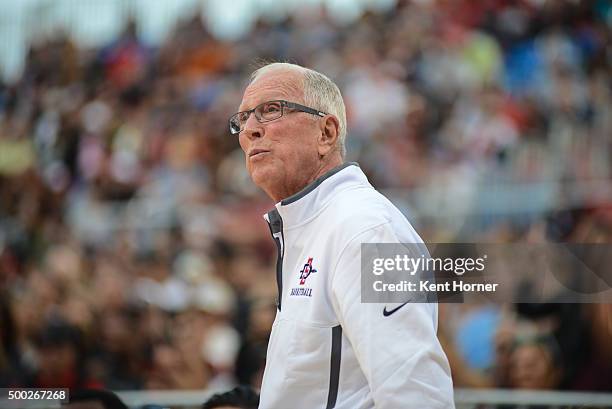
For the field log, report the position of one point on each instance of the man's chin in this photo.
(262, 175)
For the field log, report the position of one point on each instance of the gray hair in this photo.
(320, 93)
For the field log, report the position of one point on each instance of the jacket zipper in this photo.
(275, 223)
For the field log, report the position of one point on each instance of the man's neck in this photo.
(322, 170)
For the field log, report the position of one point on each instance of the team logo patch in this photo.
(306, 271)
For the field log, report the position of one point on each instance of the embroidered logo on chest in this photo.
(305, 272)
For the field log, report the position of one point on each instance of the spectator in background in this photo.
(251, 358)
(241, 397)
(11, 367)
(536, 363)
(60, 362)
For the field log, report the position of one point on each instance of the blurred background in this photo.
(133, 253)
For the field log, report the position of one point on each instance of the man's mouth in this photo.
(256, 152)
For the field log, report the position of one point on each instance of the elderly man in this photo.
(327, 349)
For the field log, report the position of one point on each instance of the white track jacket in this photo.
(327, 349)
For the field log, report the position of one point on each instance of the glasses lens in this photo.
(269, 111)
(234, 125)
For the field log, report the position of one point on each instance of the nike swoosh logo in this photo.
(387, 313)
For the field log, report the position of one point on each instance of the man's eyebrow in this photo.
(241, 109)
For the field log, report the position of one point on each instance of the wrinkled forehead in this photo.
(275, 84)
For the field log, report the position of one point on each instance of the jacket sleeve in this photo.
(399, 354)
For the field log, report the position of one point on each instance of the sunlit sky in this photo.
(95, 22)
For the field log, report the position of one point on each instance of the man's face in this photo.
(288, 155)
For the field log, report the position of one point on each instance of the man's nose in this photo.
(252, 127)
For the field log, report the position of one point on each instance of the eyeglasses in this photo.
(266, 112)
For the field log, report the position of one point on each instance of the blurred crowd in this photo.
(133, 254)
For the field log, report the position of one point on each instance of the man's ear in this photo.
(330, 132)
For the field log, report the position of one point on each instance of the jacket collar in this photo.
(306, 203)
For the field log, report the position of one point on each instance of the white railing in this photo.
(464, 399)
(493, 398)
